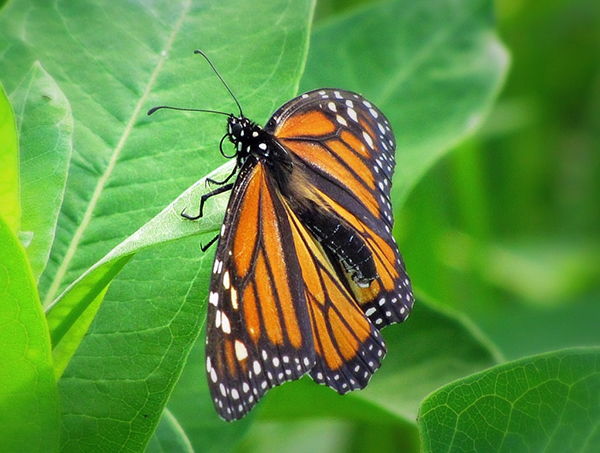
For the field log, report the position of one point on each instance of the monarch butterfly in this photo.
(306, 271)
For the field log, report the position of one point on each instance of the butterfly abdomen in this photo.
(339, 240)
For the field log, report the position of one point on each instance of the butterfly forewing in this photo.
(346, 139)
(258, 333)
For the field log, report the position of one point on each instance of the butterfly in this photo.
(306, 271)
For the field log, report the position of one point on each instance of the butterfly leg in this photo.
(220, 183)
(205, 197)
(204, 248)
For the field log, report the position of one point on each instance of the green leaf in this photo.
(114, 61)
(45, 132)
(428, 350)
(126, 167)
(434, 67)
(10, 209)
(29, 407)
(70, 316)
(549, 402)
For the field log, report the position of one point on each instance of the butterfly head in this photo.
(246, 136)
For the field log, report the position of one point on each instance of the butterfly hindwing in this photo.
(258, 327)
(349, 349)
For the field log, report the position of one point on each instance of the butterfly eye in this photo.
(236, 130)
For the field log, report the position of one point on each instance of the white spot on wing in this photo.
(352, 114)
(341, 120)
(240, 350)
(234, 302)
(225, 323)
(226, 282)
(368, 139)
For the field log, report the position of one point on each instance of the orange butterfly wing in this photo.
(343, 156)
(258, 327)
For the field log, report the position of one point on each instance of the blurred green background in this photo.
(512, 217)
(506, 228)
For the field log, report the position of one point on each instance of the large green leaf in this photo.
(10, 209)
(434, 67)
(549, 402)
(45, 133)
(29, 407)
(127, 59)
(113, 61)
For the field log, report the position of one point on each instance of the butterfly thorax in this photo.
(250, 139)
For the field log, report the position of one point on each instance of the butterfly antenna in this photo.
(154, 109)
(221, 78)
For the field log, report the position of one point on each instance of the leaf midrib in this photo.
(87, 218)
